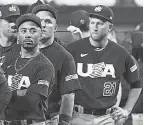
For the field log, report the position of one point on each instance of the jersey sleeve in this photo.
(132, 73)
(69, 48)
(69, 77)
(43, 81)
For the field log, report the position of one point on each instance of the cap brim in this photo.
(100, 17)
(10, 16)
(25, 18)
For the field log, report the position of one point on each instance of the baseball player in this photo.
(5, 93)
(8, 42)
(79, 29)
(65, 71)
(79, 24)
(29, 10)
(100, 65)
(137, 45)
(30, 76)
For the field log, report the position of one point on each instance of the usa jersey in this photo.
(37, 76)
(100, 70)
(66, 77)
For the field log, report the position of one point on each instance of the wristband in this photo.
(64, 118)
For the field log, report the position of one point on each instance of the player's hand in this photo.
(119, 115)
(75, 30)
(21, 92)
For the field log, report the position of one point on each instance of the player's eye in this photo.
(48, 21)
(23, 31)
(33, 30)
(92, 23)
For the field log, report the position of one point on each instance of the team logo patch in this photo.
(133, 68)
(70, 77)
(98, 9)
(43, 82)
(12, 8)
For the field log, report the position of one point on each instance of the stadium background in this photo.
(128, 13)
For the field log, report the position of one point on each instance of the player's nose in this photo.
(43, 24)
(27, 35)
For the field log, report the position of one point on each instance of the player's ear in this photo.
(17, 39)
(110, 27)
(40, 34)
(56, 27)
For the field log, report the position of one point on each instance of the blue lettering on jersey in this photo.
(96, 70)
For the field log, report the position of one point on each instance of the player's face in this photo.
(7, 27)
(48, 25)
(98, 29)
(29, 35)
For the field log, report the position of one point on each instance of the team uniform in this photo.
(8, 54)
(5, 93)
(100, 70)
(35, 74)
(66, 77)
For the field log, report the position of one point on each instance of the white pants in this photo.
(87, 119)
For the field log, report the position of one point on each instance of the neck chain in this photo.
(17, 70)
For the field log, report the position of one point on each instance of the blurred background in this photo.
(128, 13)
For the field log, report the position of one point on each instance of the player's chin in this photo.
(45, 38)
(95, 37)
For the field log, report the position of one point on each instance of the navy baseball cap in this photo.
(45, 7)
(30, 8)
(102, 12)
(8, 11)
(28, 17)
(79, 18)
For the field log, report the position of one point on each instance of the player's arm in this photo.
(66, 108)
(38, 91)
(5, 93)
(69, 85)
(132, 75)
(5, 96)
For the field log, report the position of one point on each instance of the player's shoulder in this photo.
(118, 48)
(62, 51)
(42, 61)
(62, 43)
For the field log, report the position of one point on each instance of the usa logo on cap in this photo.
(98, 9)
(12, 8)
